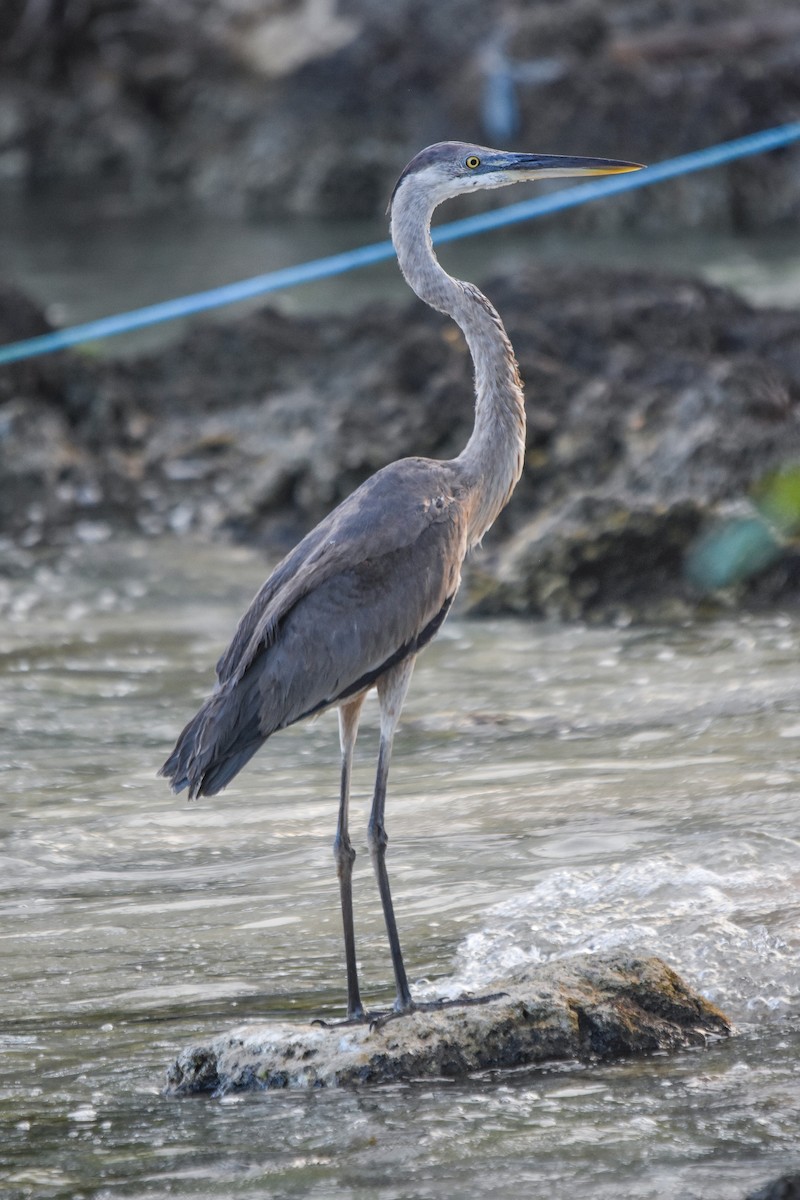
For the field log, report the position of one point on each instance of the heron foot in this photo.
(378, 1020)
(363, 1018)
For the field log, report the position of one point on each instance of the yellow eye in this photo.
(473, 161)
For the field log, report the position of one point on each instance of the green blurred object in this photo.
(739, 547)
(732, 551)
(777, 496)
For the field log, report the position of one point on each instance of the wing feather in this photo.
(367, 587)
(386, 516)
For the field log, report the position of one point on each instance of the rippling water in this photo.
(553, 790)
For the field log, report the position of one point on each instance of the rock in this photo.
(787, 1187)
(655, 408)
(588, 1008)
(577, 563)
(218, 104)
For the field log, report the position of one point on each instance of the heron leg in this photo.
(392, 688)
(344, 853)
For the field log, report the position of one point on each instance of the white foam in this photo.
(728, 931)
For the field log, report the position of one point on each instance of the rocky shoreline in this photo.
(661, 412)
(660, 473)
(262, 110)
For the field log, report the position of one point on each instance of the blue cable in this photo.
(350, 260)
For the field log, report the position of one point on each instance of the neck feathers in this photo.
(491, 463)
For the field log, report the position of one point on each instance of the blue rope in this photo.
(350, 260)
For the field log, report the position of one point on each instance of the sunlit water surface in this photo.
(553, 790)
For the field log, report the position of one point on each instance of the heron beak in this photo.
(555, 166)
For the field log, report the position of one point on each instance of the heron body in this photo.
(363, 590)
(351, 606)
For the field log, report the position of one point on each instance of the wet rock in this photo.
(652, 406)
(589, 1008)
(64, 455)
(787, 1187)
(599, 558)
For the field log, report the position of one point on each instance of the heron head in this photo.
(451, 168)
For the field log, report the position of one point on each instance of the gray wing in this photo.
(364, 589)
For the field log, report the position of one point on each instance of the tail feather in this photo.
(222, 736)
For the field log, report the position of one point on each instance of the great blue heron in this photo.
(352, 605)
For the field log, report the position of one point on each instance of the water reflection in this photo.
(553, 790)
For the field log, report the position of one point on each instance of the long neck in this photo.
(491, 462)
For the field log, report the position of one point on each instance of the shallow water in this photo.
(553, 790)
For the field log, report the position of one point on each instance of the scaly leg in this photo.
(392, 688)
(344, 853)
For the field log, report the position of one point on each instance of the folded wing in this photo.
(367, 587)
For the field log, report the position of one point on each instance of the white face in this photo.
(455, 179)
(440, 180)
